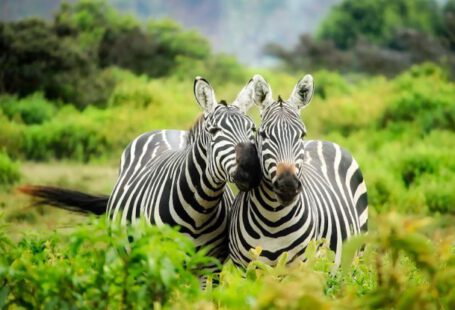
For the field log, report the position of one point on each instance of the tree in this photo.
(64, 59)
(378, 20)
(377, 37)
(33, 57)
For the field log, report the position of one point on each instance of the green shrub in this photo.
(423, 96)
(134, 93)
(330, 84)
(218, 69)
(383, 189)
(71, 134)
(91, 90)
(415, 165)
(58, 141)
(407, 263)
(348, 106)
(33, 109)
(62, 141)
(439, 193)
(91, 270)
(9, 171)
(11, 135)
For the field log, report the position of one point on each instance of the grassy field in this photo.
(19, 209)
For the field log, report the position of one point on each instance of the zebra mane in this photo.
(280, 101)
(194, 130)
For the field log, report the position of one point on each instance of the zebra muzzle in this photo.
(248, 172)
(287, 187)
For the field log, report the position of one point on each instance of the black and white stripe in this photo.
(310, 189)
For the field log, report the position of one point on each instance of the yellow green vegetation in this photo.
(400, 130)
(72, 97)
(408, 263)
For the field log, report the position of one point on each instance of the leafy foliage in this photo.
(34, 109)
(423, 98)
(9, 170)
(404, 265)
(88, 269)
(35, 58)
(377, 21)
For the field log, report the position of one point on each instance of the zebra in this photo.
(310, 190)
(179, 177)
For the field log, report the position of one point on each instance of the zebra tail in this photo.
(67, 199)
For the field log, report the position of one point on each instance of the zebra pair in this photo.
(309, 189)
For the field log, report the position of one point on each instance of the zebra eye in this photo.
(214, 130)
(262, 134)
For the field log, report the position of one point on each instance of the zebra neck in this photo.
(196, 179)
(265, 200)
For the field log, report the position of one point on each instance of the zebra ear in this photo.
(262, 92)
(245, 100)
(205, 95)
(303, 92)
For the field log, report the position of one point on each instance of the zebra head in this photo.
(231, 152)
(280, 140)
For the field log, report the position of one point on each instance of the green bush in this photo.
(77, 140)
(135, 93)
(34, 109)
(423, 96)
(330, 84)
(61, 141)
(11, 135)
(408, 263)
(90, 270)
(415, 165)
(439, 193)
(9, 171)
(218, 69)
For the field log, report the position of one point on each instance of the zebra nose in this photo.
(248, 172)
(287, 182)
(287, 186)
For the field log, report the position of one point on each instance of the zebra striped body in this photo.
(179, 178)
(332, 205)
(163, 180)
(310, 189)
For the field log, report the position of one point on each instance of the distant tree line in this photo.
(377, 37)
(65, 58)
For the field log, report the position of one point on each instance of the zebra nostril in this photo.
(275, 184)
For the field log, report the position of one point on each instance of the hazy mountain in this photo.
(239, 27)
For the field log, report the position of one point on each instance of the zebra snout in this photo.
(287, 187)
(248, 172)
